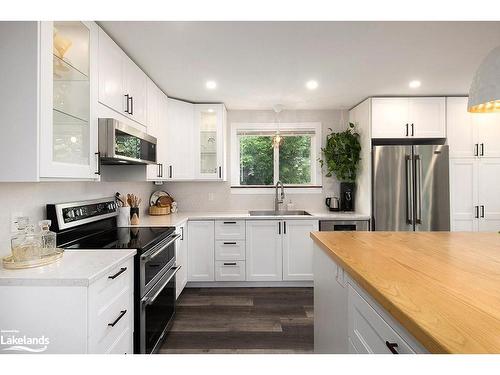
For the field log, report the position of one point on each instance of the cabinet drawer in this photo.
(230, 230)
(230, 250)
(123, 344)
(118, 311)
(368, 332)
(230, 271)
(108, 286)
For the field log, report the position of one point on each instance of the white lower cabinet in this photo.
(230, 270)
(348, 320)
(75, 319)
(181, 260)
(264, 250)
(298, 249)
(201, 250)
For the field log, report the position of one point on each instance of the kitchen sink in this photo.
(279, 213)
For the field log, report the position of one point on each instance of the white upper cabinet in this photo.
(210, 128)
(111, 91)
(180, 149)
(408, 117)
(389, 117)
(48, 99)
(462, 134)
(157, 118)
(471, 134)
(298, 249)
(122, 85)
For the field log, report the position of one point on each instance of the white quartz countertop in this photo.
(75, 268)
(180, 218)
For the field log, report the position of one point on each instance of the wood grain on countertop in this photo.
(443, 287)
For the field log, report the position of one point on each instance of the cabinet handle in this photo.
(122, 313)
(407, 131)
(476, 149)
(392, 347)
(161, 170)
(158, 173)
(220, 172)
(279, 227)
(182, 233)
(229, 243)
(284, 227)
(482, 211)
(476, 209)
(98, 155)
(412, 130)
(170, 173)
(482, 149)
(230, 264)
(122, 270)
(127, 108)
(229, 222)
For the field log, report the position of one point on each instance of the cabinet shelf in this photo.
(61, 117)
(65, 71)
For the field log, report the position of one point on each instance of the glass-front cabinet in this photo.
(210, 127)
(68, 131)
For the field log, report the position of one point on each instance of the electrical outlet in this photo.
(211, 197)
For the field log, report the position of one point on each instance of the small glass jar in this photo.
(48, 238)
(26, 244)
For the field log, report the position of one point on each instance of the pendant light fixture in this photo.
(484, 93)
(278, 138)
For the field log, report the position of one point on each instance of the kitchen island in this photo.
(406, 292)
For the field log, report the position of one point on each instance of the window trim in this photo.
(316, 183)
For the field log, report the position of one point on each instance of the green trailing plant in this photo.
(341, 155)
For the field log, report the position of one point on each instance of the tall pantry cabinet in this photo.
(474, 140)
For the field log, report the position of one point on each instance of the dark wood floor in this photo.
(242, 320)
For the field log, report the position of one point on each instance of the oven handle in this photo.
(150, 300)
(151, 254)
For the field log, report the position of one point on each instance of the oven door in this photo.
(157, 309)
(155, 261)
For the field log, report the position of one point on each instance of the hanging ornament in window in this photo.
(278, 138)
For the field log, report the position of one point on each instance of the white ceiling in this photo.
(259, 64)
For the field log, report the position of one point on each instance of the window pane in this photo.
(256, 160)
(295, 160)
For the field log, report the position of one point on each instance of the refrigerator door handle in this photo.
(418, 189)
(409, 191)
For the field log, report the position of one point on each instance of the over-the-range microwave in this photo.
(123, 144)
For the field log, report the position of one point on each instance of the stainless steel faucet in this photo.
(281, 199)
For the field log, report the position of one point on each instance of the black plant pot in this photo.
(347, 192)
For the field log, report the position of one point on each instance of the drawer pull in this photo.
(229, 243)
(230, 264)
(229, 222)
(122, 313)
(122, 270)
(392, 347)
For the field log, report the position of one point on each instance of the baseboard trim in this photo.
(249, 284)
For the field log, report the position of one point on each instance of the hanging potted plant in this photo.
(341, 156)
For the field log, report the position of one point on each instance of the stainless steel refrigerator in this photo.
(411, 188)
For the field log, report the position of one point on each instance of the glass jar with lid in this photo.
(48, 238)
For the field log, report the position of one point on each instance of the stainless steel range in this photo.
(92, 225)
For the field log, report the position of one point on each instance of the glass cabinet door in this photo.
(69, 132)
(209, 125)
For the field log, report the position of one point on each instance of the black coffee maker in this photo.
(347, 196)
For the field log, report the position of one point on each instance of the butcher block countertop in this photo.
(443, 287)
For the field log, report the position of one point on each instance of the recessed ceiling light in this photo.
(210, 110)
(312, 85)
(414, 84)
(211, 85)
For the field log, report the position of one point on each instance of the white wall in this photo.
(30, 199)
(195, 196)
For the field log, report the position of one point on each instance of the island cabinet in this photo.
(348, 320)
(409, 118)
(181, 259)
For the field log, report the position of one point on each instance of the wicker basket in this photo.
(158, 211)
